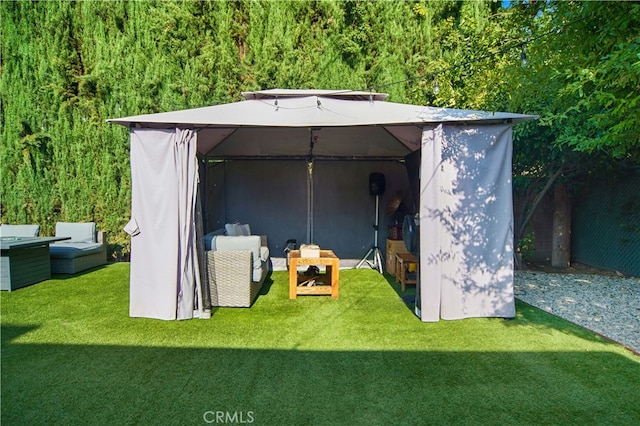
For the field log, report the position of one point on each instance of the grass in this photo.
(71, 355)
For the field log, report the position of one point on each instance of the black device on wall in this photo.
(376, 183)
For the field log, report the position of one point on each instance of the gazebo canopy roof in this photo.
(286, 123)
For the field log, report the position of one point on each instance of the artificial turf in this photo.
(72, 355)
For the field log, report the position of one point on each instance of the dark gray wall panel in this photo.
(271, 195)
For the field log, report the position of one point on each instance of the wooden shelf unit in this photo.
(393, 247)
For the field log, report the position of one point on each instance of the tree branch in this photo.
(538, 199)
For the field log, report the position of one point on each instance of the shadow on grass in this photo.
(266, 285)
(155, 372)
(529, 314)
(408, 297)
(92, 384)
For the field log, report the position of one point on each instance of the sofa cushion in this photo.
(19, 230)
(79, 232)
(70, 250)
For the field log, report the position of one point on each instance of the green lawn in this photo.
(71, 355)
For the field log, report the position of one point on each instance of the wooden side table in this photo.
(331, 278)
(403, 260)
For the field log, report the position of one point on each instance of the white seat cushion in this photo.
(78, 231)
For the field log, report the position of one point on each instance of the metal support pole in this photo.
(374, 252)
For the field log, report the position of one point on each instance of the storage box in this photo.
(309, 250)
(394, 247)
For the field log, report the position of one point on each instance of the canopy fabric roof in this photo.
(319, 123)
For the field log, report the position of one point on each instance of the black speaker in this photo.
(376, 184)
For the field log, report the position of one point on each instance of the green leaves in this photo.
(593, 105)
(68, 66)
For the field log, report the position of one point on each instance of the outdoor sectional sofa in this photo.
(85, 249)
(237, 265)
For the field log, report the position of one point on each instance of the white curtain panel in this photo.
(163, 175)
(466, 222)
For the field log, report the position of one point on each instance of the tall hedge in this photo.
(69, 66)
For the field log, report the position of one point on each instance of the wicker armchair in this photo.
(236, 274)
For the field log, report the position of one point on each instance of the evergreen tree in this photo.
(69, 66)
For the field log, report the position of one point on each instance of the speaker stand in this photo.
(374, 252)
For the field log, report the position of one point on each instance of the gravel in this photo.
(604, 303)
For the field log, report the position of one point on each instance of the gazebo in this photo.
(303, 155)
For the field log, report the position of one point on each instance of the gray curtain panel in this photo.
(164, 177)
(466, 222)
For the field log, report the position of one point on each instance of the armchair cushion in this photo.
(19, 230)
(79, 232)
(240, 243)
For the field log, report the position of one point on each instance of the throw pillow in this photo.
(236, 229)
(232, 229)
(245, 229)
